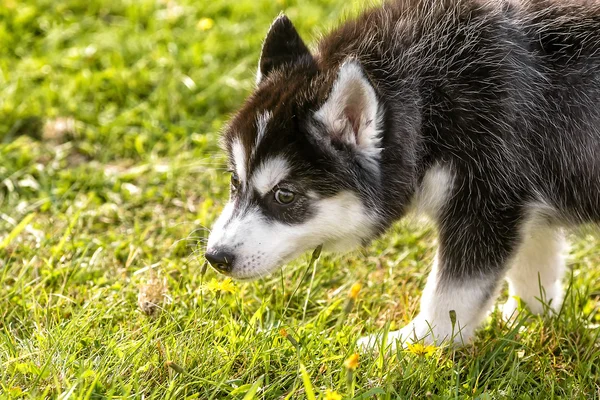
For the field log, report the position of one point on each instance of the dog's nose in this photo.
(220, 260)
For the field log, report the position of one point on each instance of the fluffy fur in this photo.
(483, 114)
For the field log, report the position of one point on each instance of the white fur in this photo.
(218, 229)
(535, 276)
(433, 323)
(258, 74)
(468, 300)
(353, 91)
(433, 192)
(262, 120)
(269, 174)
(239, 158)
(260, 246)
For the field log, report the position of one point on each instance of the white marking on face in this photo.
(219, 227)
(260, 246)
(346, 207)
(269, 174)
(262, 120)
(239, 159)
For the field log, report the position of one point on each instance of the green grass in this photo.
(109, 174)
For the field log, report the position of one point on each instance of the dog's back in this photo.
(512, 88)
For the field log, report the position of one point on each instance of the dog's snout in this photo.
(220, 259)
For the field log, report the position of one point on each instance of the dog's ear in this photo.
(282, 45)
(351, 112)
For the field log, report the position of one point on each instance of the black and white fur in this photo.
(485, 115)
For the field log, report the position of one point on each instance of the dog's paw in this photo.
(376, 342)
(370, 343)
(510, 309)
(411, 333)
(418, 330)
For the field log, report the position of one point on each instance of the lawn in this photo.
(110, 175)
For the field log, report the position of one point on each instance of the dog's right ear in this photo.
(282, 45)
(352, 112)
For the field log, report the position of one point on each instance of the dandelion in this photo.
(332, 395)
(354, 290)
(217, 286)
(205, 24)
(352, 297)
(421, 350)
(352, 362)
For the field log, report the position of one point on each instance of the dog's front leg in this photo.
(463, 283)
(451, 308)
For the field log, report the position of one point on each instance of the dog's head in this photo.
(304, 156)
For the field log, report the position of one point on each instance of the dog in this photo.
(483, 115)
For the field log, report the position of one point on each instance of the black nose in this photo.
(220, 260)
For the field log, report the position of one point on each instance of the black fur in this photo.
(506, 95)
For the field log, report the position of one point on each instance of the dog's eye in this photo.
(284, 197)
(235, 181)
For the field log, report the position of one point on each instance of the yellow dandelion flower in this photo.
(226, 285)
(332, 395)
(421, 350)
(354, 290)
(205, 24)
(352, 362)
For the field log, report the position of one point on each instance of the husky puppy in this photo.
(485, 115)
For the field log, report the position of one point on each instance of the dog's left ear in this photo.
(282, 45)
(351, 112)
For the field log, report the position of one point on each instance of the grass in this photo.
(109, 174)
